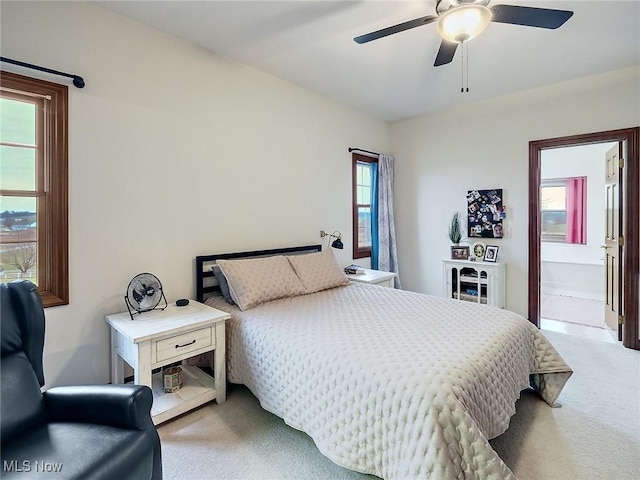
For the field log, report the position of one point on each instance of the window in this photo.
(554, 210)
(363, 175)
(33, 185)
(564, 210)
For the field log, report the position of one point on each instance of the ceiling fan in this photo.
(459, 21)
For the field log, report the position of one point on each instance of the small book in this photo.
(354, 270)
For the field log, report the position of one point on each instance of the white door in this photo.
(614, 241)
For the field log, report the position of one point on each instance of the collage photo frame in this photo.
(485, 213)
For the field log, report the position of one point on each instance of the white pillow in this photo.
(254, 281)
(318, 271)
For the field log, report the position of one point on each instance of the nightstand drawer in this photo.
(184, 343)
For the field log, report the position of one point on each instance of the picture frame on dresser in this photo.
(478, 249)
(459, 252)
(491, 253)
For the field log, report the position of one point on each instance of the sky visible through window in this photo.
(554, 215)
(553, 198)
(17, 164)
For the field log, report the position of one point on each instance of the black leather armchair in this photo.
(80, 432)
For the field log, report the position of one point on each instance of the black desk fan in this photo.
(144, 294)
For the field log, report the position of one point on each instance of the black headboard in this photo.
(205, 281)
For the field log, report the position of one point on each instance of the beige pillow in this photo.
(254, 281)
(318, 271)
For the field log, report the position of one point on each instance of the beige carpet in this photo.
(595, 435)
(573, 310)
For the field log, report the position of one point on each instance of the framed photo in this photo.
(491, 253)
(459, 252)
(478, 249)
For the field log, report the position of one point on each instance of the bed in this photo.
(387, 382)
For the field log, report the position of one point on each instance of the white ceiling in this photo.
(310, 43)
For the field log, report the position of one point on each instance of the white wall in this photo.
(485, 145)
(175, 152)
(581, 280)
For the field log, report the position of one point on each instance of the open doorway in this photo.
(627, 247)
(572, 257)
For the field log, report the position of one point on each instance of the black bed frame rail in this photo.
(202, 275)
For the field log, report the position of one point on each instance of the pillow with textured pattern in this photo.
(318, 271)
(253, 281)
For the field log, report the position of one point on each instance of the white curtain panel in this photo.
(387, 253)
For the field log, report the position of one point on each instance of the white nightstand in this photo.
(375, 277)
(161, 337)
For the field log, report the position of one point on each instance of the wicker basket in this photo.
(172, 378)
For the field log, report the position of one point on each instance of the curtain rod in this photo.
(78, 81)
(351, 149)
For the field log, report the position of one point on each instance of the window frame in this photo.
(52, 186)
(355, 159)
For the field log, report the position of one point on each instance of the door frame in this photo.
(631, 221)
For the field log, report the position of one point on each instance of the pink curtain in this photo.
(576, 190)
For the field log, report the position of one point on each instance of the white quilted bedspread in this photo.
(393, 383)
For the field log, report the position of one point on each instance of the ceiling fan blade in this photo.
(401, 27)
(445, 53)
(530, 16)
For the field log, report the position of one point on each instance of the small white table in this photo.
(161, 337)
(375, 277)
(478, 282)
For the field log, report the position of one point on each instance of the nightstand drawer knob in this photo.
(187, 344)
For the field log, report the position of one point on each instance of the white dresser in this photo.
(478, 282)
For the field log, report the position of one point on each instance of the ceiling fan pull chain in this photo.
(462, 67)
(464, 51)
(467, 57)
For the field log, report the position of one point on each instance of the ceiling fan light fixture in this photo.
(463, 23)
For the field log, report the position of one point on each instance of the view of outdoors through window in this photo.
(554, 211)
(363, 190)
(18, 188)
